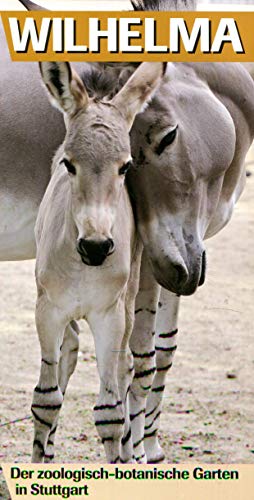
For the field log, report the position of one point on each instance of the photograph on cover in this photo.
(135, 184)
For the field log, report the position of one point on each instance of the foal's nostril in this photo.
(81, 246)
(107, 246)
(203, 269)
(111, 246)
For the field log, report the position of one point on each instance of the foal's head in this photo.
(97, 150)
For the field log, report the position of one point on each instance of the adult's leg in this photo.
(143, 350)
(165, 347)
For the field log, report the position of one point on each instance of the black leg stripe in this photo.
(116, 421)
(145, 373)
(50, 443)
(43, 422)
(53, 431)
(166, 349)
(133, 416)
(138, 442)
(153, 333)
(39, 445)
(158, 389)
(47, 390)
(117, 459)
(151, 424)
(126, 438)
(139, 458)
(49, 363)
(146, 388)
(152, 411)
(107, 407)
(151, 311)
(138, 310)
(164, 368)
(50, 457)
(47, 407)
(151, 434)
(168, 335)
(144, 355)
(104, 440)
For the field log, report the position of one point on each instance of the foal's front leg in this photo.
(165, 347)
(67, 365)
(126, 362)
(48, 397)
(108, 328)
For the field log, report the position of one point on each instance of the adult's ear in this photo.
(67, 91)
(139, 89)
(31, 5)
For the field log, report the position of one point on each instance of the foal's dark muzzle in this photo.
(94, 253)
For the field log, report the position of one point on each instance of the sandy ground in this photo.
(209, 400)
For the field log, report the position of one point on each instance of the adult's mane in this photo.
(163, 5)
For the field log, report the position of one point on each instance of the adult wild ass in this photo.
(88, 257)
(189, 148)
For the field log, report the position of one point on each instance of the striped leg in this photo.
(108, 328)
(125, 376)
(48, 398)
(142, 347)
(67, 365)
(165, 346)
(126, 363)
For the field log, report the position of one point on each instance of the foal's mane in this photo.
(104, 80)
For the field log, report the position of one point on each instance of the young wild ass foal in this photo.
(87, 253)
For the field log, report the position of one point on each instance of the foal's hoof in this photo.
(142, 460)
(49, 459)
(156, 456)
(128, 461)
(157, 459)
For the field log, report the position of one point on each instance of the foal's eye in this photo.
(71, 169)
(124, 168)
(166, 141)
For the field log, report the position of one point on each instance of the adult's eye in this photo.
(125, 168)
(166, 141)
(71, 169)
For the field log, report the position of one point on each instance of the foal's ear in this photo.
(66, 89)
(139, 89)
